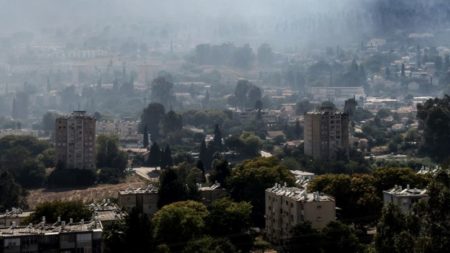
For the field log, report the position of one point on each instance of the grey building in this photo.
(404, 198)
(59, 237)
(75, 140)
(326, 133)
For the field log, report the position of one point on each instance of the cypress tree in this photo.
(145, 139)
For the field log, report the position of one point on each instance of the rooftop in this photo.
(47, 229)
(298, 194)
(149, 189)
(399, 191)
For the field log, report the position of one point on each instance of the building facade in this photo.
(288, 206)
(75, 140)
(59, 237)
(326, 133)
(404, 198)
(145, 200)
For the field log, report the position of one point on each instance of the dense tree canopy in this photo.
(177, 223)
(434, 116)
(249, 180)
(63, 209)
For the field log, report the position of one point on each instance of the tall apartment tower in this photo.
(75, 140)
(326, 134)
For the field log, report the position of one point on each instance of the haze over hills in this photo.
(281, 23)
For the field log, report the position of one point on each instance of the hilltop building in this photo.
(75, 140)
(289, 206)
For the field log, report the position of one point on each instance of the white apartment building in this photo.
(288, 206)
(404, 198)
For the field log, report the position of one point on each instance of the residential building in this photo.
(59, 237)
(302, 178)
(337, 95)
(326, 133)
(288, 206)
(208, 194)
(404, 198)
(144, 199)
(75, 140)
(13, 216)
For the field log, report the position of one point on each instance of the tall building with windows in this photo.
(75, 140)
(287, 207)
(326, 134)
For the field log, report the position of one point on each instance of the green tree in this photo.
(151, 117)
(434, 117)
(138, 233)
(11, 194)
(338, 237)
(231, 220)
(154, 158)
(31, 174)
(250, 179)
(63, 209)
(171, 188)
(178, 223)
(304, 239)
(209, 244)
(355, 195)
(145, 141)
(111, 161)
(389, 228)
(171, 123)
(221, 171)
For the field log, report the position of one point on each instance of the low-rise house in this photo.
(144, 199)
(288, 206)
(404, 198)
(13, 216)
(302, 178)
(58, 237)
(208, 194)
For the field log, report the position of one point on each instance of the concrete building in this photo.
(145, 200)
(404, 198)
(208, 194)
(325, 133)
(289, 206)
(337, 95)
(59, 237)
(13, 216)
(302, 178)
(75, 140)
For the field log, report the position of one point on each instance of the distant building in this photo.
(59, 237)
(326, 133)
(144, 199)
(337, 95)
(288, 206)
(208, 194)
(75, 140)
(404, 198)
(302, 178)
(13, 216)
(107, 212)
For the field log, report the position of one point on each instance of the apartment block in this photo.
(404, 198)
(144, 199)
(59, 237)
(326, 133)
(75, 140)
(289, 206)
